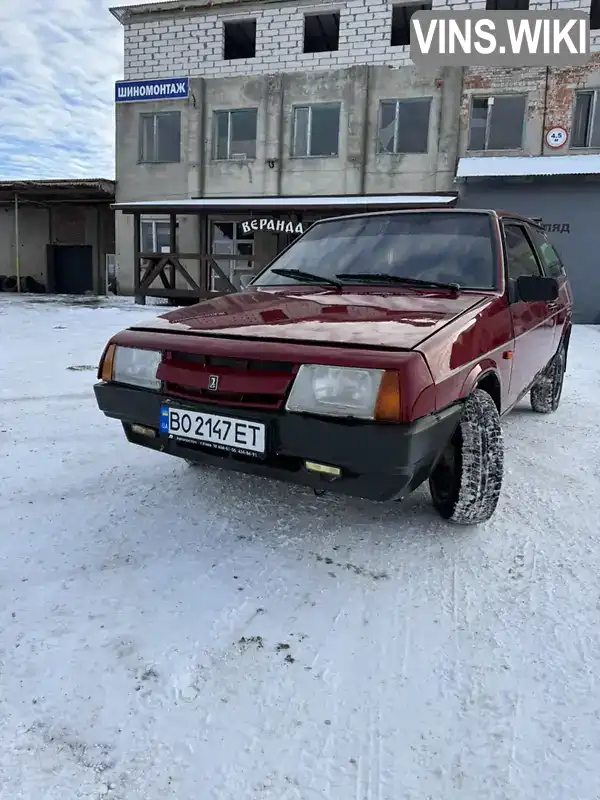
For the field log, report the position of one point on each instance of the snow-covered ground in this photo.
(167, 632)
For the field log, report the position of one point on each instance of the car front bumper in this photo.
(378, 461)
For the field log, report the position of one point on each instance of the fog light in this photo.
(142, 430)
(323, 469)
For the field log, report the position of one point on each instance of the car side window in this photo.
(551, 261)
(521, 258)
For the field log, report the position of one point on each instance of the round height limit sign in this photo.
(556, 137)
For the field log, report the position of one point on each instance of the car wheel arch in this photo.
(484, 377)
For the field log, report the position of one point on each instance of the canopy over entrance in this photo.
(236, 235)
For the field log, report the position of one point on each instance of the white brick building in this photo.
(352, 116)
(192, 43)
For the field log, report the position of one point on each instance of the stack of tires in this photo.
(8, 283)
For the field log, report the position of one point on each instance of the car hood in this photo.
(402, 319)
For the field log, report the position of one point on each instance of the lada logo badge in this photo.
(213, 383)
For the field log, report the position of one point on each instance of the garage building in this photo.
(565, 193)
(59, 233)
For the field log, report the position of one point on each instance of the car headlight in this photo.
(136, 367)
(336, 391)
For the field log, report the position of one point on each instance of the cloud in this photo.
(59, 60)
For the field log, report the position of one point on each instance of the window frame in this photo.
(592, 120)
(492, 5)
(154, 115)
(323, 12)
(397, 102)
(594, 15)
(310, 106)
(239, 21)
(407, 4)
(215, 139)
(488, 118)
(155, 221)
(214, 221)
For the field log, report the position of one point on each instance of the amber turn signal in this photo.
(388, 407)
(106, 367)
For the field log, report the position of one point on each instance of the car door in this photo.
(554, 268)
(533, 323)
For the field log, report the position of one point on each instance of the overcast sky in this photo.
(59, 60)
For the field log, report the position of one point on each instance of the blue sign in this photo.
(158, 89)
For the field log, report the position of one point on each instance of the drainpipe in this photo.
(365, 132)
(280, 143)
(17, 244)
(546, 86)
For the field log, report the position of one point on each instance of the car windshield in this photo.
(440, 247)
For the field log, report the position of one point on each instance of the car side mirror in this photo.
(537, 288)
(245, 280)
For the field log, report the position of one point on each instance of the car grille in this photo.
(243, 383)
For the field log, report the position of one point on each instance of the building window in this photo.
(586, 120)
(239, 39)
(234, 134)
(155, 236)
(404, 126)
(229, 239)
(595, 15)
(160, 138)
(496, 123)
(401, 16)
(507, 5)
(321, 32)
(316, 130)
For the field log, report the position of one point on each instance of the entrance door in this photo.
(533, 323)
(228, 239)
(73, 268)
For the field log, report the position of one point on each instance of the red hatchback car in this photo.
(376, 352)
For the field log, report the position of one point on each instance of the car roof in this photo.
(436, 210)
(515, 215)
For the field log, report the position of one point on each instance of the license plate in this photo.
(225, 433)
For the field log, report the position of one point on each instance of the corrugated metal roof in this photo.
(289, 203)
(102, 184)
(527, 166)
(57, 191)
(123, 12)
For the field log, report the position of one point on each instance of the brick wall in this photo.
(194, 44)
(546, 107)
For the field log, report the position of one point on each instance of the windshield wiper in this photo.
(301, 275)
(382, 277)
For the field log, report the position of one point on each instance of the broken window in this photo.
(229, 239)
(507, 5)
(595, 15)
(321, 32)
(316, 130)
(239, 39)
(160, 138)
(401, 16)
(586, 120)
(404, 125)
(497, 123)
(234, 134)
